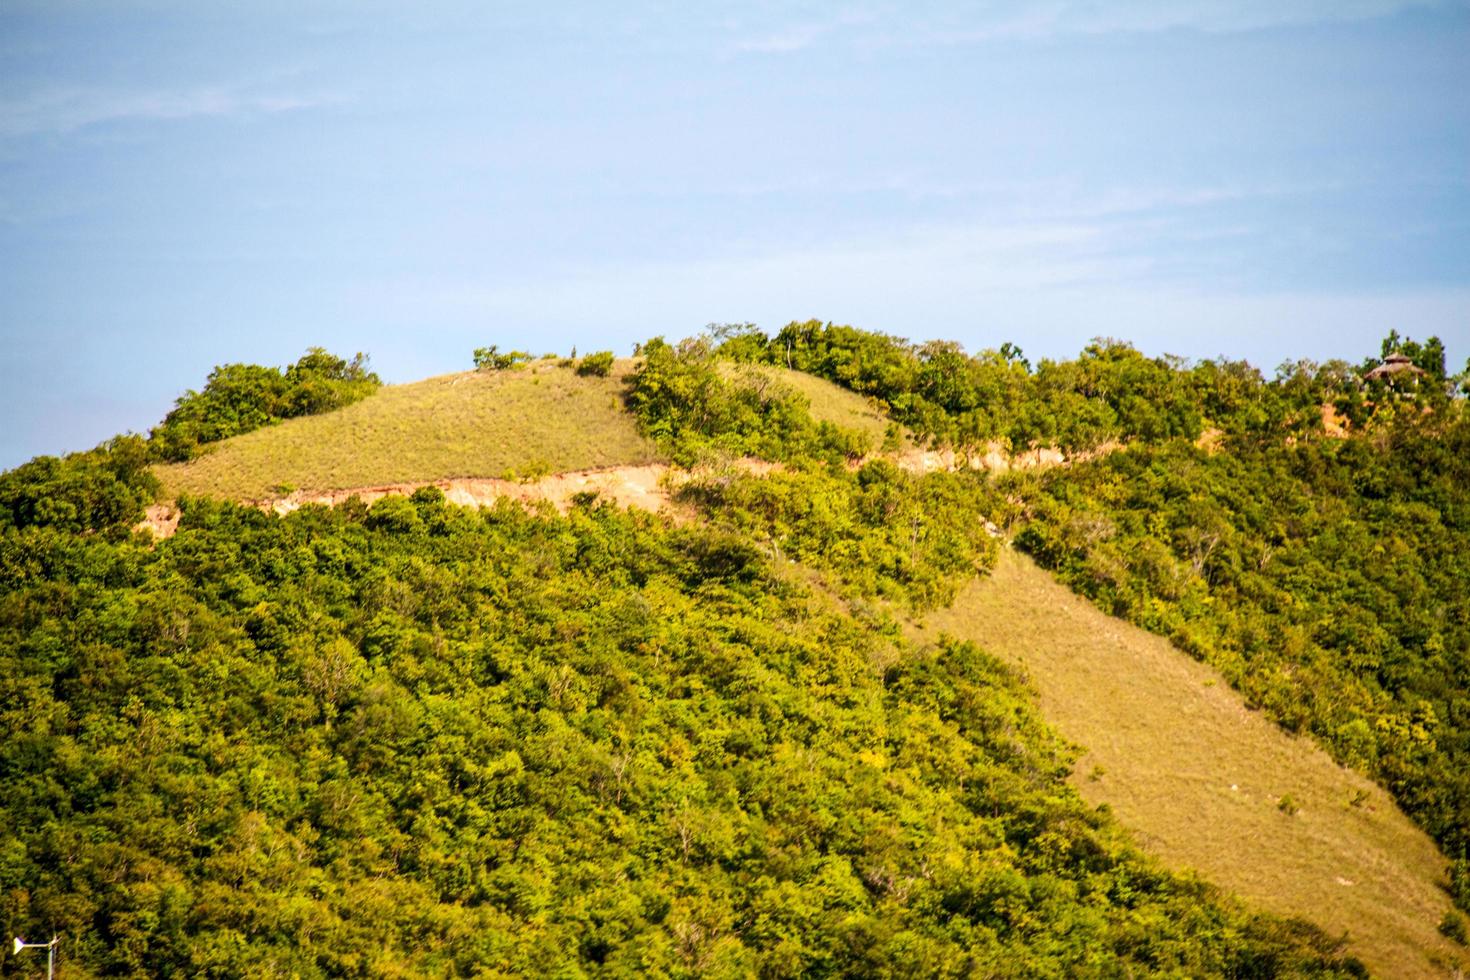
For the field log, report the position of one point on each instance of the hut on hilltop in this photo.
(1395, 367)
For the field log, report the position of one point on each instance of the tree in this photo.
(239, 398)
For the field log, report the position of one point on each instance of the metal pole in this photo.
(50, 947)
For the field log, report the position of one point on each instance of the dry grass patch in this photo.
(522, 423)
(1206, 784)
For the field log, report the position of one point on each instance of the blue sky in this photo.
(186, 184)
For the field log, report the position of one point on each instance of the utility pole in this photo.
(50, 949)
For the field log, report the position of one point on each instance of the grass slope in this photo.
(537, 420)
(1198, 777)
(540, 418)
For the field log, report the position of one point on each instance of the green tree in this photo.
(239, 398)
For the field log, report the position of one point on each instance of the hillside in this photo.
(1199, 778)
(419, 740)
(377, 733)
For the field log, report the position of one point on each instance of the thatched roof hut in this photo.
(1394, 366)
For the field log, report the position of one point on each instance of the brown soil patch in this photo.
(644, 486)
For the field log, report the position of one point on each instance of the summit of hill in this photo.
(530, 421)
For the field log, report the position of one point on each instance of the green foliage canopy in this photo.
(491, 359)
(238, 398)
(413, 739)
(689, 400)
(597, 364)
(1109, 393)
(101, 491)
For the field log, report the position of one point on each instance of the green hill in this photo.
(787, 729)
(420, 740)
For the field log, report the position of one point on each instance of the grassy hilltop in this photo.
(539, 418)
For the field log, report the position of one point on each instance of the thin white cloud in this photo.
(796, 38)
(927, 261)
(1127, 266)
(1006, 201)
(68, 109)
(1208, 16)
(933, 24)
(1046, 289)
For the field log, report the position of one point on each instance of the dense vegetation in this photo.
(1109, 393)
(1329, 579)
(415, 738)
(418, 739)
(102, 491)
(239, 398)
(882, 532)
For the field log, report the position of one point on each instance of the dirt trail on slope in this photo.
(648, 487)
(629, 486)
(1198, 778)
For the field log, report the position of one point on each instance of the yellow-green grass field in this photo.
(539, 419)
(529, 422)
(1199, 779)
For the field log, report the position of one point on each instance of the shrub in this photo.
(394, 514)
(684, 400)
(103, 490)
(597, 365)
(1460, 882)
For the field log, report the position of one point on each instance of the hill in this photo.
(397, 736)
(415, 739)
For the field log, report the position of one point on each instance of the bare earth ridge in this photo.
(647, 487)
